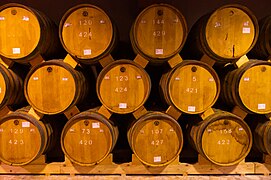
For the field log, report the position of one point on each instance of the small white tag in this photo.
(122, 105)
(177, 78)
(157, 159)
(71, 130)
(246, 78)
(246, 30)
(35, 78)
(191, 108)
(96, 125)
(2, 18)
(102, 21)
(106, 77)
(261, 106)
(87, 51)
(25, 18)
(16, 50)
(138, 77)
(211, 80)
(67, 25)
(25, 124)
(64, 79)
(159, 51)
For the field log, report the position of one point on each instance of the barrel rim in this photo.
(55, 62)
(201, 64)
(134, 39)
(87, 115)
(116, 63)
(216, 117)
(148, 116)
(98, 57)
(253, 18)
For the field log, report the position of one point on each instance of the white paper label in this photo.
(106, 77)
(16, 50)
(64, 79)
(246, 30)
(246, 79)
(122, 105)
(211, 80)
(71, 130)
(261, 106)
(67, 25)
(87, 52)
(102, 21)
(35, 78)
(25, 124)
(177, 78)
(159, 51)
(2, 18)
(157, 159)
(191, 108)
(25, 18)
(138, 77)
(96, 125)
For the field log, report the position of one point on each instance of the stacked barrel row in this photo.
(159, 37)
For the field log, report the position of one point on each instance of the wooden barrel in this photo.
(11, 88)
(222, 138)
(192, 87)
(262, 48)
(249, 87)
(87, 33)
(262, 137)
(225, 35)
(123, 86)
(54, 86)
(23, 138)
(88, 138)
(26, 32)
(156, 139)
(159, 33)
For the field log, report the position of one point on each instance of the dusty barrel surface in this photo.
(11, 87)
(87, 33)
(191, 86)
(262, 137)
(249, 87)
(159, 33)
(25, 33)
(23, 138)
(88, 138)
(225, 35)
(156, 139)
(54, 86)
(222, 138)
(123, 86)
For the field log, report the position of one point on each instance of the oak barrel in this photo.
(249, 87)
(87, 33)
(262, 137)
(54, 86)
(262, 48)
(23, 138)
(223, 138)
(26, 32)
(158, 33)
(88, 138)
(225, 34)
(156, 139)
(191, 86)
(123, 86)
(11, 88)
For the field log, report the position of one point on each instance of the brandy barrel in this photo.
(123, 86)
(192, 87)
(26, 32)
(54, 86)
(11, 88)
(222, 138)
(23, 138)
(159, 33)
(262, 48)
(225, 34)
(87, 33)
(262, 137)
(156, 139)
(88, 138)
(249, 87)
